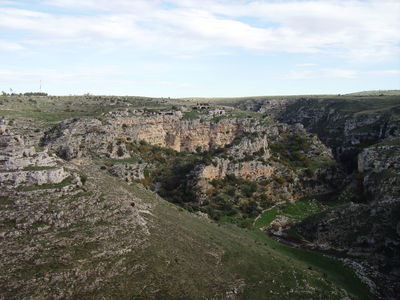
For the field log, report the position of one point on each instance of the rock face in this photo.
(342, 125)
(130, 172)
(364, 136)
(380, 165)
(242, 160)
(252, 158)
(249, 149)
(366, 233)
(247, 170)
(23, 165)
(268, 106)
(71, 138)
(249, 146)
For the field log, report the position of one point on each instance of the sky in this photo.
(199, 48)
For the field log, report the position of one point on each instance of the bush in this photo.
(120, 151)
(110, 147)
(248, 189)
(280, 180)
(246, 223)
(83, 179)
(309, 172)
(190, 115)
(230, 191)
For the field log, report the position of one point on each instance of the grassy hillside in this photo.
(376, 93)
(155, 250)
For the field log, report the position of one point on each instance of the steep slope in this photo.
(363, 133)
(367, 232)
(347, 124)
(108, 239)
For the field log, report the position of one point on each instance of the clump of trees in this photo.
(291, 152)
(35, 94)
(235, 197)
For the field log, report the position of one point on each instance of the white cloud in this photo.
(354, 29)
(337, 73)
(385, 73)
(306, 65)
(53, 75)
(10, 46)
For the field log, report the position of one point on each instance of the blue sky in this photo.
(184, 48)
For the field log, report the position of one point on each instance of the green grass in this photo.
(237, 114)
(47, 117)
(385, 174)
(65, 182)
(376, 93)
(80, 195)
(191, 115)
(38, 168)
(390, 142)
(188, 257)
(183, 257)
(4, 200)
(297, 210)
(130, 160)
(39, 148)
(322, 163)
(327, 266)
(301, 209)
(266, 218)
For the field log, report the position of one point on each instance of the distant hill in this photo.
(377, 93)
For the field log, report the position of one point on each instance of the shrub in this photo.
(110, 147)
(280, 180)
(246, 223)
(190, 115)
(83, 179)
(230, 191)
(309, 172)
(248, 188)
(120, 151)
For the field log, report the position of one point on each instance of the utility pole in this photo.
(40, 85)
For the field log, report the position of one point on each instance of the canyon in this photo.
(92, 189)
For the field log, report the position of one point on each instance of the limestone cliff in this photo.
(71, 138)
(20, 164)
(347, 126)
(252, 149)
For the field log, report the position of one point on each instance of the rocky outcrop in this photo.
(250, 157)
(364, 136)
(75, 138)
(347, 126)
(20, 164)
(380, 165)
(366, 233)
(251, 145)
(269, 106)
(130, 172)
(220, 168)
(36, 177)
(379, 157)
